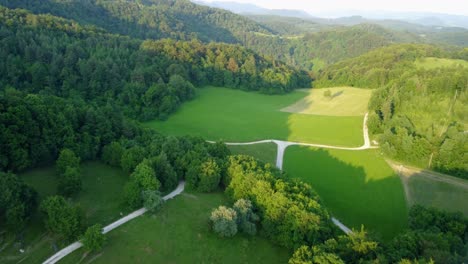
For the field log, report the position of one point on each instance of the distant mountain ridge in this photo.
(252, 9)
(347, 17)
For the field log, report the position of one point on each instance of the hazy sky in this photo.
(459, 7)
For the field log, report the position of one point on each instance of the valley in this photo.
(178, 131)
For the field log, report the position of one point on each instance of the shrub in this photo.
(94, 239)
(224, 221)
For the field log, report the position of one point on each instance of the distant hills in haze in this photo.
(348, 17)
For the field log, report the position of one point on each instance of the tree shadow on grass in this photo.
(366, 195)
(337, 94)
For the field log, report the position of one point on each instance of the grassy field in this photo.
(432, 63)
(441, 195)
(100, 199)
(234, 115)
(433, 189)
(265, 152)
(344, 101)
(358, 187)
(180, 233)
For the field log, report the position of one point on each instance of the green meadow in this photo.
(447, 196)
(234, 115)
(265, 152)
(342, 101)
(99, 199)
(358, 187)
(180, 233)
(433, 63)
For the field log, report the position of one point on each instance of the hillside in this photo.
(69, 60)
(420, 105)
(149, 19)
(315, 50)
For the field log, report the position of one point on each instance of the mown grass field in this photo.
(344, 101)
(358, 187)
(432, 63)
(234, 115)
(432, 189)
(441, 195)
(265, 152)
(100, 200)
(180, 233)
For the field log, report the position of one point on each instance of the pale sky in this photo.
(459, 7)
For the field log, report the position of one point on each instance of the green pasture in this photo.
(446, 196)
(265, 152)
(180, 233)
(343, 101)
(234, 115)
(358, 187)
(433, 63)
(100, 199)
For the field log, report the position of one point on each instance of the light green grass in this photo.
(358, 187)
(180, 233)
(344, 101)
(265, 152)
(433, 63)
(442, 195)
(100, 200)
(233, 115)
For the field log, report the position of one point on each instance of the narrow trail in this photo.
(65, 251)
(283, 145)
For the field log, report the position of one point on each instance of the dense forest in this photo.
(417, 113)
(148, 19)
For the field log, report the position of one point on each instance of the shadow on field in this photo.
(356, 195)
(337, 94)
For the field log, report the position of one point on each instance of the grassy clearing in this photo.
(441, 195)
(265, 152)
(100, 199)
(358, 187)
(234, 115)
(432, 63)
(344, 101)
(433, 189)
(180, 233)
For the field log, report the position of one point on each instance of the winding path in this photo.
(64, 252)
(282, 145)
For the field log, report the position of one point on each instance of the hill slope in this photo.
(149, 19)
(419, 113)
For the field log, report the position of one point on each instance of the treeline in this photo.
(418, 114)
(45, 54)
(149, 19)
(230, 65)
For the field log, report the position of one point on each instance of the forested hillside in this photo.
(46, 54)
(149, 19)
(418, 113)
(315, 50)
